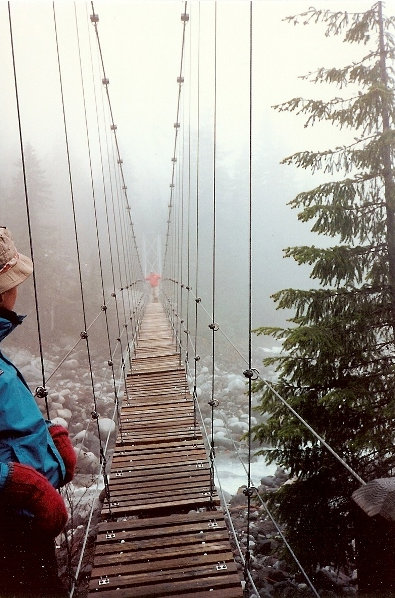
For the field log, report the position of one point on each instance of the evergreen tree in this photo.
(337, 366)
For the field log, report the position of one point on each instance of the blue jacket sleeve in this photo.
(4, 471)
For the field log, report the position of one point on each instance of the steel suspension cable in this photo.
(285, 403)
(249, 373)
(84, 333)
(213, 326)
(197, 216)
(184, 19)
(104, 306)
(40, 391)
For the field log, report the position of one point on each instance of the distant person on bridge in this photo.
(153, 279)
(36, 458)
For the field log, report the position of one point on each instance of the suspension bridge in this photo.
(164, 527)
(163, 533)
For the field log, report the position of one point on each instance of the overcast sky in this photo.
(141, 44)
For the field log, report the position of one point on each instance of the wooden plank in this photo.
(162, 534)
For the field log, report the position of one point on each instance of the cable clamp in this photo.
(84, 334)
(186, 331)
(197, 358)
(106, 81)
(104, 308)
(253, 374)
(113, 294)
(213, 326)
(41, 392)
(94, 415)
(213, 403)
(110, 363)
(185, 17)
(94, 18)
(249, 491)
(198, 299)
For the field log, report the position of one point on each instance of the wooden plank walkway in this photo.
(162, 534)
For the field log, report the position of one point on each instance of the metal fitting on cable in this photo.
(110, 362)
(249, 491)
(213, 326)
(213, 403)
(104, 308)
(253, 374)
(198, 299)
(106, 81)
(94, 415)
(197, 358)
(94, 18)
(84, 334)
(41, 392)
(113, 294)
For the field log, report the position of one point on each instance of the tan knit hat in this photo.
(14, 267)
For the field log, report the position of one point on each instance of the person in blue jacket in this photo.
(36, 459)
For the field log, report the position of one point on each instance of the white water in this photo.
(232, 474)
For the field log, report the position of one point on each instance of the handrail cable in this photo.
(223, 501)
(295, 413)
(27, 204)
(264, 504)
(95, 415)
(88, 526)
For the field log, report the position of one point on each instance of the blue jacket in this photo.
(24, 436)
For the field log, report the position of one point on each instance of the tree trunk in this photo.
(389, 184)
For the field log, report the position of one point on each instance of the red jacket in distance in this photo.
(153, 279)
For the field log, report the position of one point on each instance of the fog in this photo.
(141, 49)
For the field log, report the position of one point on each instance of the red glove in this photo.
(26, 488)
(61, 439)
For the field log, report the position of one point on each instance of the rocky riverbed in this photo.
(87, 412)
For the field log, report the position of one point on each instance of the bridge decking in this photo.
(162, 534)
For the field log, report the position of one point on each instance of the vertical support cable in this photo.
(197, 300)
(43, 390)
(213, 326)
(84, 333)
(249, 373)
